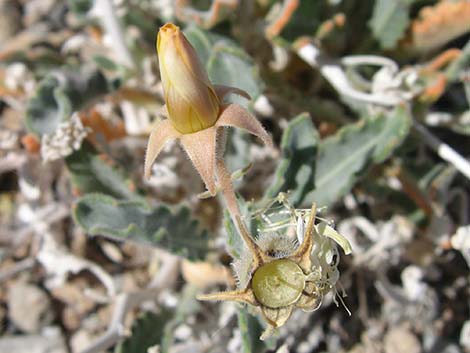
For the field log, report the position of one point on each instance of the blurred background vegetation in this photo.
(368, 104)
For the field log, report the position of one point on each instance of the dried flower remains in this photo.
(283, 274)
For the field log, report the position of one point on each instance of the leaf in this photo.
(235, 243)
(158, 329)
(105, 63)
(159, 226)
(187, 305)
(328, 171)
(389, 21)
(226, 62)
(61, 93)
(237, 149)
(147, 331)
(305, 20)
(48, 107)
(296, 170)
(90, 172)
(80, 7)
(459, 65)
(251, 330)
(344, 157)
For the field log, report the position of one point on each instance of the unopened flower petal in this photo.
(190, 97)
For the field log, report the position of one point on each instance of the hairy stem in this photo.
(225, 182)
(444, 151)
(224, 179)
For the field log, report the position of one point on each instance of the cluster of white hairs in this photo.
(8, 139)
(19, 77)
(66, 139)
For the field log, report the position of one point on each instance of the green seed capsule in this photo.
(278, 283)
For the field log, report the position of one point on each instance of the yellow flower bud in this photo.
(191, 100)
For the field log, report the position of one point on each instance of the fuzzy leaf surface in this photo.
(147, 331)
(389, 21)
(61, 93)
(251, 330)
(226, 62)
(91, 173)
(158, 329)
(323, 171)
(160, 226)
(344, 157)
(296, 171)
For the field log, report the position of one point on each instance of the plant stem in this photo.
(225, 181)
(226, 186)
(105, 10)
(126, 302)
(444, 151)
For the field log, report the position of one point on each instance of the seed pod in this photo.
(278, 283)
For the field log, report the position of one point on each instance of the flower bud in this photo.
(191, 101)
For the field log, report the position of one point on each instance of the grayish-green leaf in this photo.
(251, 330)
(226, 62)
(459, 65)
(59, 94)
(105, 63)
(235, 244)
(323, 171)
(305, 20)
(91, 172)
(158, 329)
(80, 7)
(237, 149)
(187, 305)
(389, 21)
(147, 331)
(343, 157)
(296, 170)
(173, 230)
(48, 107)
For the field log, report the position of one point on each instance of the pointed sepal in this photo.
(222, 91)
(161, 134)
(200, 147)
(237, 116)
(241, 296)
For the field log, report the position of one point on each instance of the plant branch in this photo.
(225, 181)
(20, 266)
(333, 71)
(444, 151)
(125, 302)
